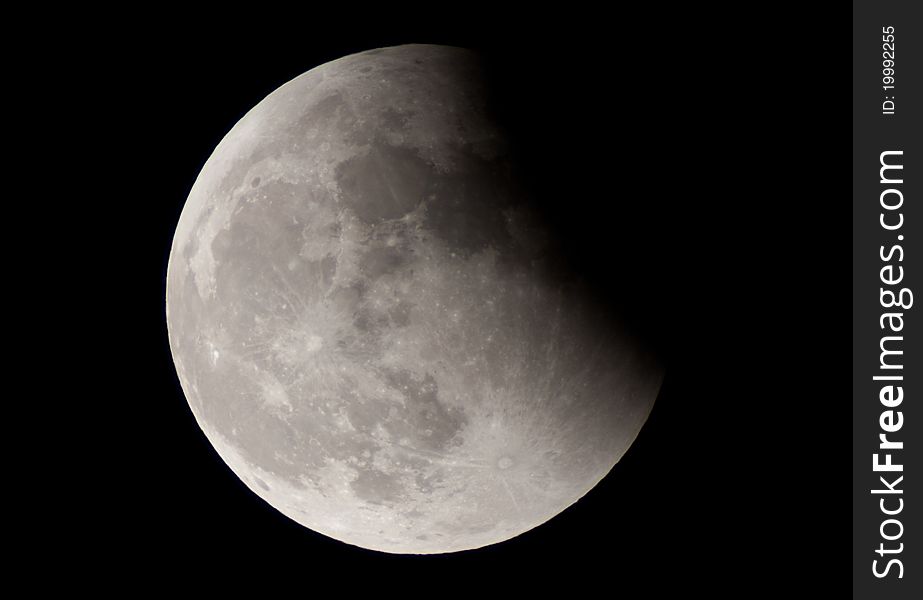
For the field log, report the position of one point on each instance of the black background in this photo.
(696, 162)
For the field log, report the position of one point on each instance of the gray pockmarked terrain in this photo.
(373, 328)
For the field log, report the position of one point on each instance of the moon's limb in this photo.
(367, 322)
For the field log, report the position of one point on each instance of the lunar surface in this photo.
(372, 326)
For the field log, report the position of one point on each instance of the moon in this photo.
(373, 325)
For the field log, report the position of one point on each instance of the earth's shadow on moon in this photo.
(595, 185)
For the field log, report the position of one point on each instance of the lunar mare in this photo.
(372, 326)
